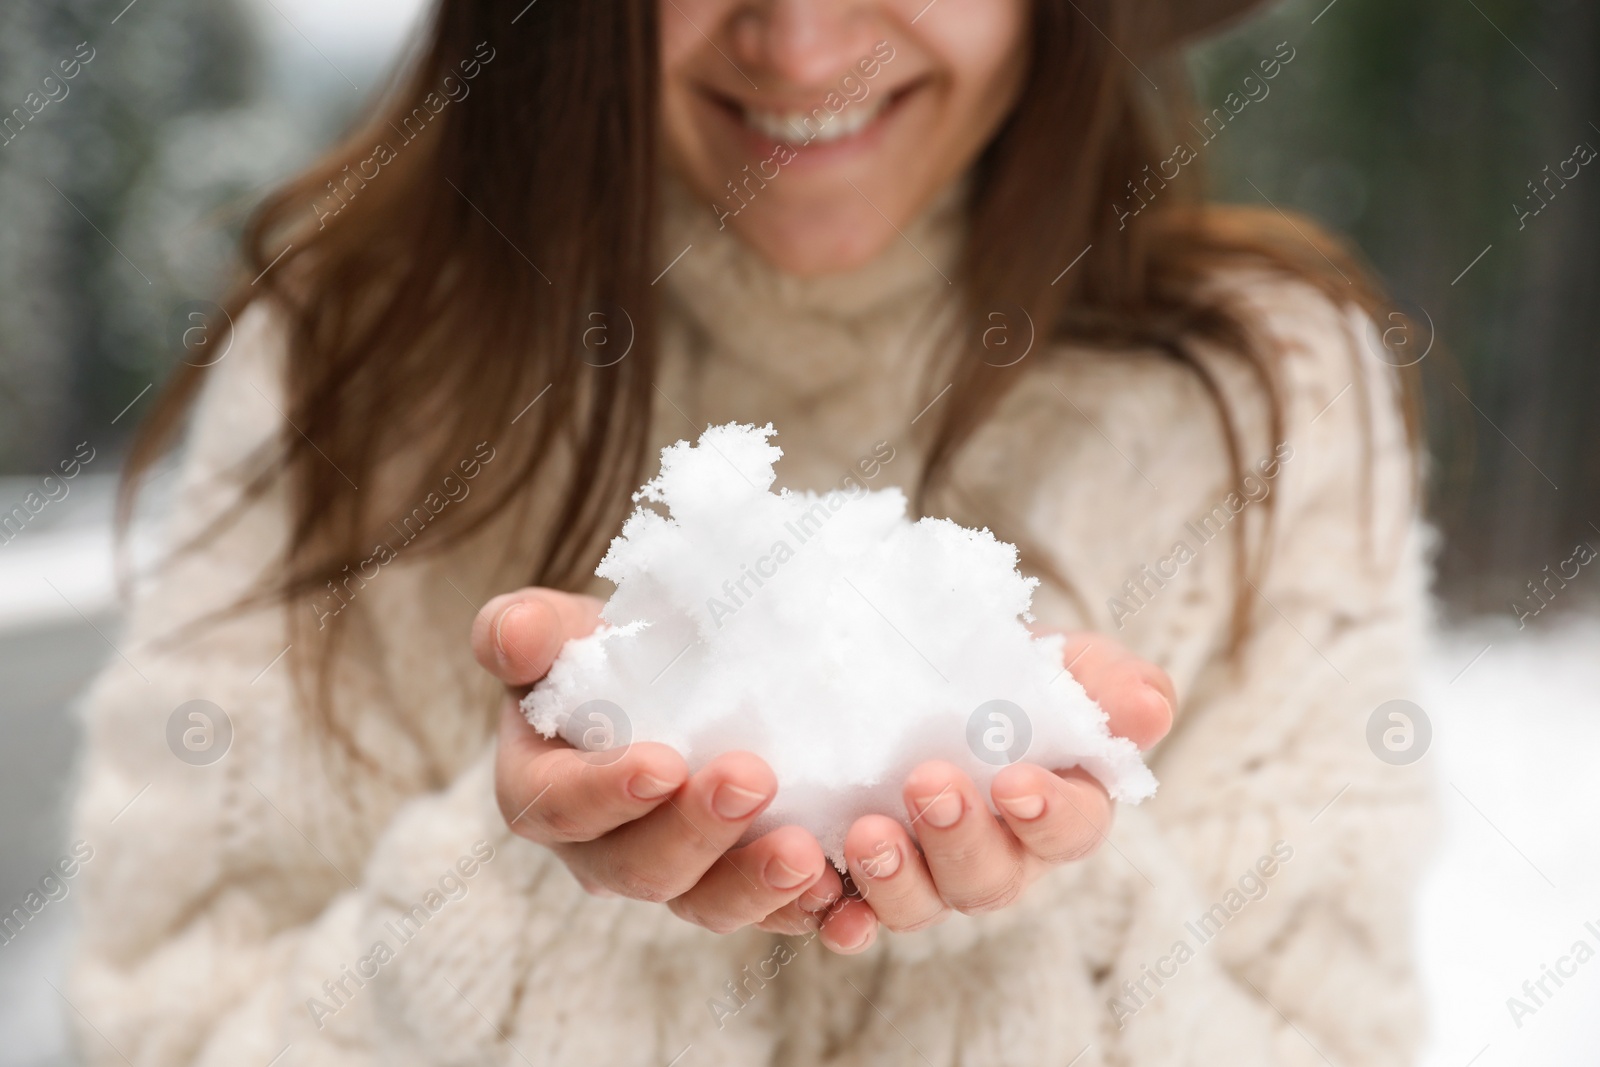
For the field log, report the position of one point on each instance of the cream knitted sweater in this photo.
(284, 901)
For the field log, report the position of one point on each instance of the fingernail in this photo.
(731, 802)
(1161, 698)
(1025, 808)
(644, 787)
(499, 626)
(861, 941)
(881, 864)
(780, 875)
(941, 811)
(1158, 702)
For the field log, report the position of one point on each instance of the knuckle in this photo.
(1078, 839)
(723, 924)
(685, 911)
(561, 824)
(963, 854)
(1074, 847)
(928, 919)
(1077, 836)
(991, 898)
(1061, 855)
(637, 884)
(697, 848)
(511, 812)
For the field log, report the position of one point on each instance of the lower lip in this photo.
(760, 146)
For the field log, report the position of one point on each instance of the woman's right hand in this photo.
(639, 825)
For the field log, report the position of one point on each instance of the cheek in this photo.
(979, 42)
(677, 42)
(981, 45)
(688, 61)
(680, 24)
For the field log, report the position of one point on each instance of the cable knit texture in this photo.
(288, 901)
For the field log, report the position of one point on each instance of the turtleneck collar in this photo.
(809, 335)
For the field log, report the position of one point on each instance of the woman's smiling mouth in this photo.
(800, 126)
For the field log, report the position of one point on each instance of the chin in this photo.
(814, 260)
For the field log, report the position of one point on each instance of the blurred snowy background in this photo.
(1414, 127)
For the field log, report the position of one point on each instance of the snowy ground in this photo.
(1516, 720)
(1516, 739)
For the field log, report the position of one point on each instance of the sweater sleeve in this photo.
(255, 889)
(1297, 828)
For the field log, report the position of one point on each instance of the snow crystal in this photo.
(827, 634)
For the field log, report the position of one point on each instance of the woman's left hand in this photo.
(964, 859)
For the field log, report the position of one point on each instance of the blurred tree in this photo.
(71, 260)
(1415, 128)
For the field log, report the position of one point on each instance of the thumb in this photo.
(517, 636)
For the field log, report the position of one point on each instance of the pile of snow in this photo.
(825, 633)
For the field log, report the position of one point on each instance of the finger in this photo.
(894, 881)
(1102, 663)
(807, 913)
(747, 884)
(848, 927)
(517, 636)
(975, 861)
(663, 855)
(552, 793)
(1138, 697)
(1057, 817)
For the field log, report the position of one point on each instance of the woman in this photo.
(576, 232)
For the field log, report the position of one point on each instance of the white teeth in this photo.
(816, 127)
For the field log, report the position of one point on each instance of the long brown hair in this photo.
(453, 286)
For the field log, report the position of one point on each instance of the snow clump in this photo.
(827, 634)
